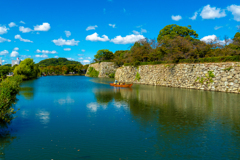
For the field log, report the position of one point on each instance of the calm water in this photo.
(74, 117)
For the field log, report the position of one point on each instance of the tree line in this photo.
(174, 43)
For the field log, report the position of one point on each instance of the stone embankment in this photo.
(224, 77)
(104, 68)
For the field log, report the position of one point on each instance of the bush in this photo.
(92, 72)
(112, 75)
(137, 76)
(9, 88)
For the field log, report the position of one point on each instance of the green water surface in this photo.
(76, 117)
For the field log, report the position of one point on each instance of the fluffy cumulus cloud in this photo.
(14, 54)
(70, 59)
(83, 50)
(68, 33)
(91, 28)
(209, 12)
(62, 42)
(176, 18)
(3, 29)
(112, 25)
(128, 39)
(95, 37)
(88, 57)
(194, 17)
(41, 56)
(55, 56)
(12, 24)
(22, 22)
(143, 30)
(235, 12)
(85, 61)
(80, 58)
(24, 30)
(209, 38)
(4, 52)
(4, 40)
(43, 27)
(21, 39)
(67, 49)
(16, 49)
(46, 51)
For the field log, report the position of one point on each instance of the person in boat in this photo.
(115, 82)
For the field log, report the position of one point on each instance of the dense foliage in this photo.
(56, 62)
(4, 70)
(64, 69)
(178, 44)
(92, 72)
(27, 69)
(103, 55)
(9, 88)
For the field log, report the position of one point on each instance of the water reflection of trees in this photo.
(179, 115)
(5, 140)
(27, 92)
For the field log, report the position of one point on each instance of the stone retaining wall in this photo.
(224, 77)
(104, 68)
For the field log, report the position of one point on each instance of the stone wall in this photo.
(224, 77)
(104, 68)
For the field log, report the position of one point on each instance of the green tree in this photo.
(27, 69)
(174, 30)
(4, 70)
(104, 54)
(9, 88)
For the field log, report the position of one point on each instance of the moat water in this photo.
(77, 117)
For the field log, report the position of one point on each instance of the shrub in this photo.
(112, 75)
(138, 77)
(92, 72)
(9, 88)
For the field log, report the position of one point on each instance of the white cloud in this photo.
(91, 28)
(3, 29)
(61, 42)
(70, 59)
(128, 39)
(135, 32)
(81, 55)
(209, 38)
(21, 39)
(95, 37)
(3, 61)
(12, 24)
(55, 56)
(85, 61)
(68, 33)
(80, 58)
(41, 56)
(16, 49)
(194, 17)
(22, 22)
(143, 30)
(24, 30)
(4, 40)
(88, 57)
(209, 12)
(43, 27)
(217, 27)
(176, 18)
(14, 54)
(235, 12)
(112, 25)
(4, 52)
(67, 49)
(46, 51)
(83, 50)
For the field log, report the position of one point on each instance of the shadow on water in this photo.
(181, 115)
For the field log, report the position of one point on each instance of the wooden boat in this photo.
(121, 85)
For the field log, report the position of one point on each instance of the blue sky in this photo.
(77, 29)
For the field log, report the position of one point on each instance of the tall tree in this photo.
(104, 54)
(174, 30)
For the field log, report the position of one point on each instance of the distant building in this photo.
(14, 62)
(0, 62)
